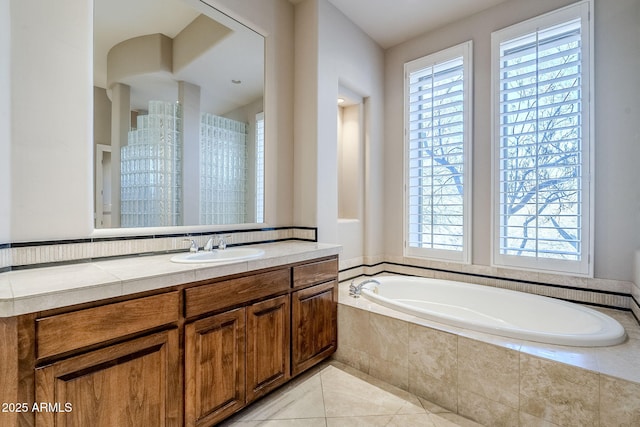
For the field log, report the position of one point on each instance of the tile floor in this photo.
(335, 395)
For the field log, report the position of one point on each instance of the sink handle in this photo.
(222, 242)
(193, 246)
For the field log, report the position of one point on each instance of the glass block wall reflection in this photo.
(151, 167)
(223, 170)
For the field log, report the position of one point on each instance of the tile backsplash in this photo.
(36, 254)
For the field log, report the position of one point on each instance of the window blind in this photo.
(436, 157)
(541, 143)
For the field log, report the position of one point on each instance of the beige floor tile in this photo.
(336, 395)
(370, 421)
(348, 395)
(303, 400)
(298, 422)
(449, 419)
(414, 420)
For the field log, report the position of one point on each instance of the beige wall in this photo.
(50, 142)
(5, 123)
(617, 139)
(332, 52)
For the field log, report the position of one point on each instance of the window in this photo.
(438, 150)
(542, 142)
(260, 167)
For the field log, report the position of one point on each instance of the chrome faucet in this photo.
(354, 290)
(194, 245)
(222, 242)
(209, 246)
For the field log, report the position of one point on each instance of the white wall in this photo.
(5, 122)
(617, 144)
(51, 92)
(617, 95)
(50, 189)
(337, 54)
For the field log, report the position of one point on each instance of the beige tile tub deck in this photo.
(498, 381)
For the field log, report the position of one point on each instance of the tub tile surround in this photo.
(595, 291)
(35, 254)
(30, 290)
(493, 380)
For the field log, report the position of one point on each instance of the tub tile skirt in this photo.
(492, 384)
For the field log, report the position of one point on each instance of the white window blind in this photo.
(438, 106)
(543, 141)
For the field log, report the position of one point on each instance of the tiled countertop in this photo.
(28, 291)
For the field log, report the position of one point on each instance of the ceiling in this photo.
(214, 71)
(388, 22)
(391, 22)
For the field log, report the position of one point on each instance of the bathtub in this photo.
(496, 311)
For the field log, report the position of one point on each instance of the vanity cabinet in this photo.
(315, 325)
(236, 356)
(314, 313)
(188, 355)
(268, 338)
(132, 382)
(214, 367)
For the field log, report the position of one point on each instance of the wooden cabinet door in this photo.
(314, 325)
(268, 337)
(214, 368)
(135, 383)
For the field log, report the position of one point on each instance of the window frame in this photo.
(464, 50)
(584, 266)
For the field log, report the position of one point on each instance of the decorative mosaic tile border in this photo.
(15, 256)
(635, 301)
(597, 292)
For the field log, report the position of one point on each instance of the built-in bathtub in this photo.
(497, 311)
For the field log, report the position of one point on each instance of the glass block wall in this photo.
(151, 169)
(223, 170)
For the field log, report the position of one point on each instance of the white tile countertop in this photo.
(31, 290)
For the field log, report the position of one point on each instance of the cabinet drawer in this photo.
(316, 272)
(70, 331)
(216, 296)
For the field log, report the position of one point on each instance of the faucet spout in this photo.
(355, 290)
(209, 246)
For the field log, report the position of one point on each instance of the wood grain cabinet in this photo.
(214, 367)
(234, 357)
(188, 355)
(268, 338)
(135, 383)
(314, 322)
(105, 366)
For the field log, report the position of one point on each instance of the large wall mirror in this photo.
(178, 116)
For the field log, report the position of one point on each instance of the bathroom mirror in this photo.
(178, 115)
